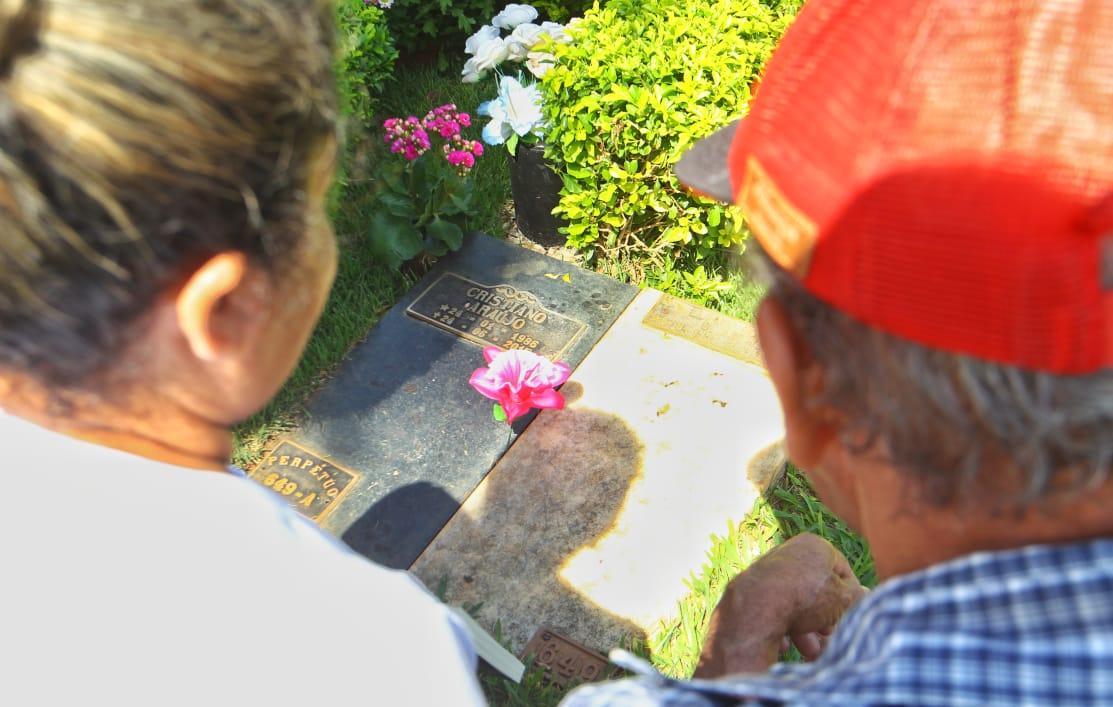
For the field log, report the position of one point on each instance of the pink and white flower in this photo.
(520, 380)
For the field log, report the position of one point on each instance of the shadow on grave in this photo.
(559, 489)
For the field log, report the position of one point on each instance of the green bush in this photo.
(366, 58)
(441, 26)
(643, 80)
(438, 25)
(562, 10)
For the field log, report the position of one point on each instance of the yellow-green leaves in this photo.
(642, 81)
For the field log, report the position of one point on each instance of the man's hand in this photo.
(797, 591)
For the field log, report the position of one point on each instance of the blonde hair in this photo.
(138, 137)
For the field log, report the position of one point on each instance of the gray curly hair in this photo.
(944, 418)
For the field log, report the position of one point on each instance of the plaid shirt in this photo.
(1032, 626)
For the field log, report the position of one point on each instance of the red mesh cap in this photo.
(942, 170)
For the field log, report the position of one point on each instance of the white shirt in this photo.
(128, 582)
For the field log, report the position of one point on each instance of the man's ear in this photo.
(207, 299)
(798, 379)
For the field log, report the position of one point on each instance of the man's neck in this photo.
(909, 534)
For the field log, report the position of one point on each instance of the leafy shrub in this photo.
(562, 10)
(436, 25)
(424, 25)
(366, 58)
(642, 81)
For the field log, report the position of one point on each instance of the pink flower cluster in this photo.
(461, 153)
(406, 137)
(410, 136)
(446, 121)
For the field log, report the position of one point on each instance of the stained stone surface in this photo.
(594, 518)
(398, 439)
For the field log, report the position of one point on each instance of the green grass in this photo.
(743, 298)
(798, 511)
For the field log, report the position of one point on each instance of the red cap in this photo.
(941, 170)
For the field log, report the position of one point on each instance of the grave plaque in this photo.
(400, 434)
(313, 485)
(499, 315)
(565, 661)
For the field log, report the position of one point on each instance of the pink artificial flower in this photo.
(464, 119)
(520, 380)
(411, 153)
(477, 148)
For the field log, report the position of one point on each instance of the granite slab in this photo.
(398, 439)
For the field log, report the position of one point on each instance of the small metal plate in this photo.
(709, 329)
(496, 315)
(313, 486)
(565, 661)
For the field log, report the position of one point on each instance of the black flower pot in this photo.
(536, 190)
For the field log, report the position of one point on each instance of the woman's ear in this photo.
(798, 378)
(204, 302)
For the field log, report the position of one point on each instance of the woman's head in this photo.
(141, 142)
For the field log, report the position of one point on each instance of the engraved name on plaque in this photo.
(313, 486)
(496, 315)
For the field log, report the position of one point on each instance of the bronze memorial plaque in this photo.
(312, 485)
(496, 315)
(565, 661)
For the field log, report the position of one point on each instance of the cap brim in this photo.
(704, 168)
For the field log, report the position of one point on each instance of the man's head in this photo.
(931, 184)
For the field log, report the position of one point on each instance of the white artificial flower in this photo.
(485, 34)
(470, 73)
(516, 51)
(517, 110)
(528, 34)
(386, 4)
(498, 131)
(490, 54)
(522, 39)
(539, 63)
(514, 15)
(556, 31)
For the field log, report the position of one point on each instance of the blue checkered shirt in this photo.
(1032, 626)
